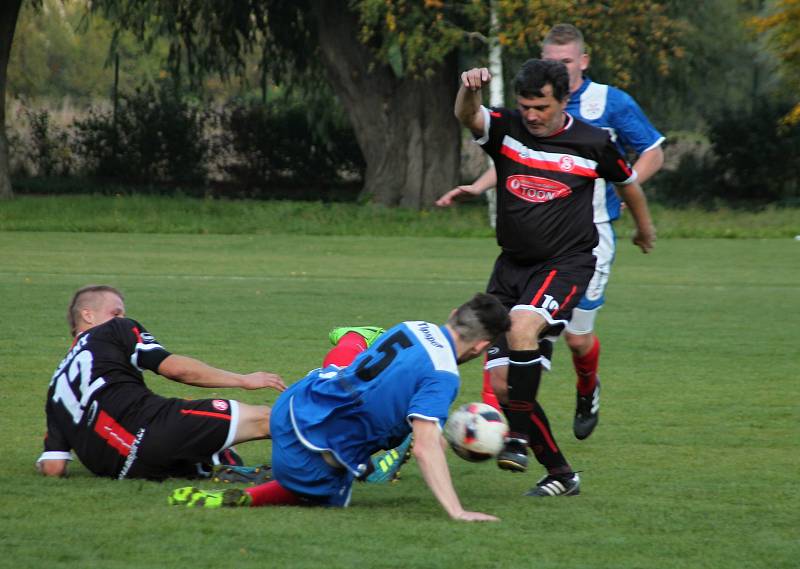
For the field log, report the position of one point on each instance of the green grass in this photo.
(159, 214)
(694, 463)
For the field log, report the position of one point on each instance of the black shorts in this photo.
(551, 288)
(156, 437)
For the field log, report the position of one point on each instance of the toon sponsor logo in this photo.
(220, 404)
(535, 189)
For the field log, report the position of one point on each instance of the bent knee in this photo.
(526, 325)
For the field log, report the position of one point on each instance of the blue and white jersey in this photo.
(617, 112)
(409, 372)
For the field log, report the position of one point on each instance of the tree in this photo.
(404, 124)
(9, 12)
(393, 64)
(393, 69)
(57, 55)
(782, 27)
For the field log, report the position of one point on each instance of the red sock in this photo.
(271, 494)
(343, 353)
(586, 368)
(487, 395)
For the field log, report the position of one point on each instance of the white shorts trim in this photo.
(541, 312)
(232, 428)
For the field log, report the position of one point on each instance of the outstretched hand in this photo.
(476, 517)
(457, 194)
(262, 379)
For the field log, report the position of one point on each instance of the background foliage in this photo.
(700, 70)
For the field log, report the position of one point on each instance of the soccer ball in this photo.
(476, 431)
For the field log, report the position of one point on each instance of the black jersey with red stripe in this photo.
(545, 185)
(105, 362)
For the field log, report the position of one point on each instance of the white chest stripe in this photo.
(552, 157)
(593, 101)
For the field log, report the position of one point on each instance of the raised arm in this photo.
(429, 452)
(469, 99)
(194, 372)
(634, 198)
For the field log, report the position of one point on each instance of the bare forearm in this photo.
(645, 234)
(469, 99)
(486, 180)
(636, 201)
(429, 452)
(649, 163)
(468, 109)
(194, 372)
(460, 193)
(433, 464)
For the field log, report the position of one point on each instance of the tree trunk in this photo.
(9, 12)
(405, 127)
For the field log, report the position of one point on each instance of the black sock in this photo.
(543, 443)
(524, 374)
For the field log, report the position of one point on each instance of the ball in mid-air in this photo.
(476, 431)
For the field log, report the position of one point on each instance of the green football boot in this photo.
(369, 333)
(387, 464)
(233, 474)
(195, 498)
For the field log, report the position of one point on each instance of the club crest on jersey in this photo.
(220, 404)
(566, 163)
(535, 189)
(592, 110)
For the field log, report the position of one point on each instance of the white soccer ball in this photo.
(476, 431)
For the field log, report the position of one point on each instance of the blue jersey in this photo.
(409, 372)
(615, 111)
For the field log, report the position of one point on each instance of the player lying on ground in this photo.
(99, 406)
(326, 426)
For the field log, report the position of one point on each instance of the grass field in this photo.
(694, 465)
(140, 213)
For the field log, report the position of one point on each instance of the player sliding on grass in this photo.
(99, 406)
(326, 426)
(350, 341)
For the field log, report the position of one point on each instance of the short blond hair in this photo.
(564, 34)
(82, 297)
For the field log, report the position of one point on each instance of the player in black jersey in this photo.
(546, 163)
(99, 406)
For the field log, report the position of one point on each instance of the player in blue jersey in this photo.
(614, 110)
(326, 426)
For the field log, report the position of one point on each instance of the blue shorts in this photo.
(300, 469)
(594, 297)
